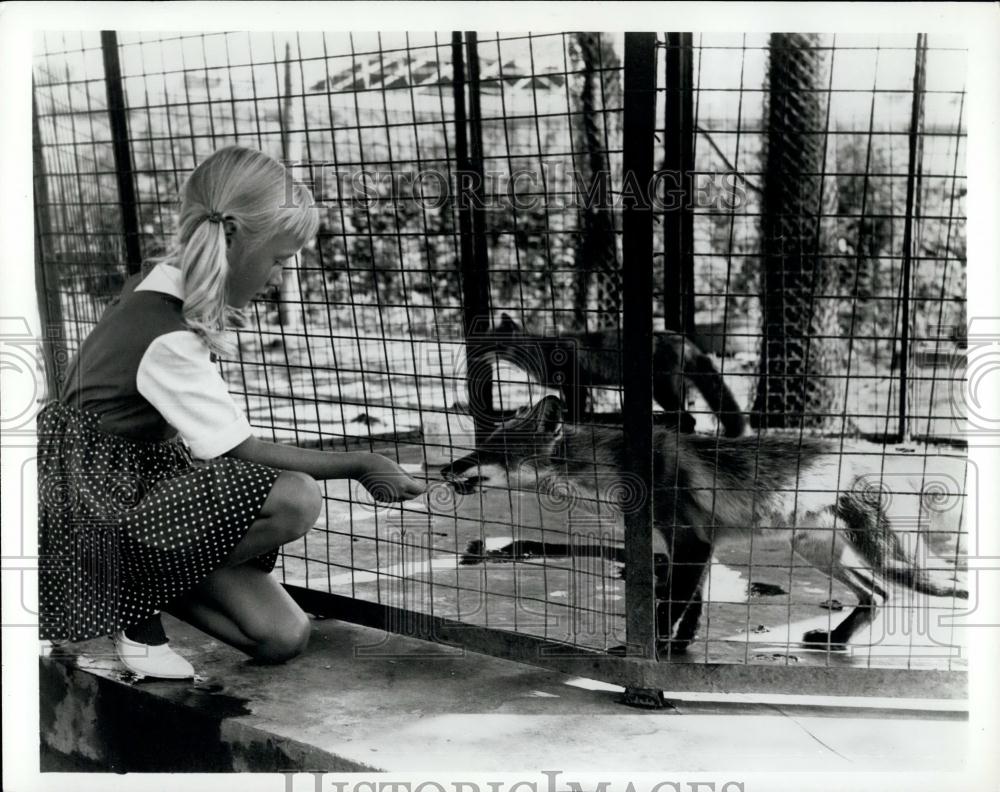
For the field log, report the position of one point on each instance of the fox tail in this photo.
(933, 581)
(872, 533)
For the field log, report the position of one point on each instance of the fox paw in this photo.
(675, 646)
(645, 698)
(822, 637)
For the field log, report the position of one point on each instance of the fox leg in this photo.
(824, 542)
(687, 627)
(571, 399)
(678, 589)
(666, 396)
(710, 383)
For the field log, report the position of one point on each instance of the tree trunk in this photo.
(798, 385)
(595, 253)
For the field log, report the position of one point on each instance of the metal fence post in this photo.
(118, 118)
(678, 164)
(912, 198)
(290, 305)
(472, 231)
(46, 281)
(637, 282)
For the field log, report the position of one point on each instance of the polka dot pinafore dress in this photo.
(129, 520)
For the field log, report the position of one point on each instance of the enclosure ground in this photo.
(360, 699)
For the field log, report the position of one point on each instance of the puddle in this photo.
(765, 590)
(203, 693)
(774, 658)
(501, 549)
(759, 629)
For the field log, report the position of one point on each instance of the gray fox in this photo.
(710, 490)
(573, 363)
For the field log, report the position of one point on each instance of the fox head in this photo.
(513, 454)
(530, 353)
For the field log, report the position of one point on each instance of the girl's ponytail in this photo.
(205, 272)
(234, 188)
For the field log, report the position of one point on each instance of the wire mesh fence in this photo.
(807, 277)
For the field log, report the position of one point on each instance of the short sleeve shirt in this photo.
(177, 376)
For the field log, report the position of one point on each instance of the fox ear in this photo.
(550, 411)
(507, 325)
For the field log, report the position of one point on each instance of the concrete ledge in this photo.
(92, 721)
(360, 699)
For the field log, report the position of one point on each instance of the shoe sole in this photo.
(148, 675)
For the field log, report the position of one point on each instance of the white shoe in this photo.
(151, 661)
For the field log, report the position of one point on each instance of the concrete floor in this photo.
(402, 704)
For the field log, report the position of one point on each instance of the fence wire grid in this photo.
(808, 240)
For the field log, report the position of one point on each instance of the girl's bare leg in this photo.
(248, 609)
(244, 606)
(291, 509)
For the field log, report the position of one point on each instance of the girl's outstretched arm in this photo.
(382, 477)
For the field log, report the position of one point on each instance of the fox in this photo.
(709, 491)
(573, 363)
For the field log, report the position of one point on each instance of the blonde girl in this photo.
(153, 492)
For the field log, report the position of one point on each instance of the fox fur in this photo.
(714, 490)
(574, 363)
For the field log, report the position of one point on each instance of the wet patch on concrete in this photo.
(776, 657)
(758, 589)
(207, 695)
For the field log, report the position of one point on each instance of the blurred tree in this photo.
(799, 377)
(595, 254)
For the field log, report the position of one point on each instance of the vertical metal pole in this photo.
(118, 119)
(912, 187)
(637, 287)
(678, 162)
(46, 280)
(472, 232)
(290, 305)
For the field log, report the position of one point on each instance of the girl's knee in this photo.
(296, 501)
(311, 499)
(286, 641)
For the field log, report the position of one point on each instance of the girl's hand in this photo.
(387, 481)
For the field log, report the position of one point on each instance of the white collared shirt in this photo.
(177, 376)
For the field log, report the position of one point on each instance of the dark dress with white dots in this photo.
(129, 520)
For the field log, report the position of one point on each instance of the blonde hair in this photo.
(257, 194)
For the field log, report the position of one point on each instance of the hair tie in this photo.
(215, 217)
